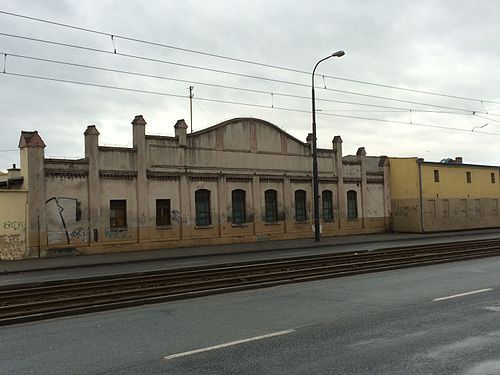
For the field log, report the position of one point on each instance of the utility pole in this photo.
(191, 96)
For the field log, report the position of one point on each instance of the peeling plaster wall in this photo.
(13, 224)
(67, 220)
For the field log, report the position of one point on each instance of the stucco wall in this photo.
(66, 210)
(13, 224)
(247, 154)
(450, 203)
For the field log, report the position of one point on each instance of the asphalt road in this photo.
(396, 322)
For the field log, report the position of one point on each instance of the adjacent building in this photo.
(449, 195)
(241, 180)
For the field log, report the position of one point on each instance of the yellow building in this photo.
(449, 195)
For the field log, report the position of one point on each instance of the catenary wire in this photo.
(237, 74)
(94, 67)
(246, 61)
(244, 104)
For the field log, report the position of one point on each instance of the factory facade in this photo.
(242, 180)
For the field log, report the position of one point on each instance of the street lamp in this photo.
(315, 150)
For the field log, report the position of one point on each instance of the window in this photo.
(492, 178)
(118, 213)
(327, 200)
(300, 205)
(352, 204)
(162, 212)
(238, 199)
(469, 177)
(436, 175)
(271, 206)
(202, 207)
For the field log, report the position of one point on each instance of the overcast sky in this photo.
(447, 47)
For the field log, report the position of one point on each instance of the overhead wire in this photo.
(99, 68)
(240, 60)
(237, 74)
(244, 103)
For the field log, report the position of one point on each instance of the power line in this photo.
(472, 111)
(245, 104)
(94, 67)
(246, 61)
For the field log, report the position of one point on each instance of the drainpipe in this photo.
(419, 162)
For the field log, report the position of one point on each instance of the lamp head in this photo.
(338, 54)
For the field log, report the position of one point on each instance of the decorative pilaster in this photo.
(139, 134)
(32, 151)
(341, 215)
(94, 186)
(361, 154)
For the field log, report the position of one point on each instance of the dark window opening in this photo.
(271, 206)
(469, 177)
(352, 204)
(118, 213)
(327, 200)
(436, 175)
(300, 205)
(162, 212)
(492, 178)
(238, 200)
(202, 207)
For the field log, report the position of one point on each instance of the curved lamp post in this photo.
(315, 150)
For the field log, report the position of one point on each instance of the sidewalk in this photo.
(231, 250)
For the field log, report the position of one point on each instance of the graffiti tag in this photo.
(176, 216)
(15, 225)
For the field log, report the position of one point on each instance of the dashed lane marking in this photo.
(462, 294)
(220, 346)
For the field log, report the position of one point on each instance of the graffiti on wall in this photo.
(62, 214)
(176, 216)
(403, 210)
(116, 234)
(12, 246)
(13, 225)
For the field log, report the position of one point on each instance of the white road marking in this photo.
(183, 354)
(462, 294)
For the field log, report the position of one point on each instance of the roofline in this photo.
(240, 119)
(459, 165)
(436, 163)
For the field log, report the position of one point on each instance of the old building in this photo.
(429, 196)
(241, 180)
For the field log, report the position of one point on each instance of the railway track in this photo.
(37, 301)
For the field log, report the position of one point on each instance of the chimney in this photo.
(13, 172)
(181, 132)
(361, 151)
(309, 141)
(458, 160)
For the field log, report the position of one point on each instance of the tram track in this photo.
(44, 300)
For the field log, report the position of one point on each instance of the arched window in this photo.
(352, 204)
(271, 206)
(327, 200)
(300, 205)
(202, 207)
(238, 200)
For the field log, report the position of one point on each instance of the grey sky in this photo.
(439, 46)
